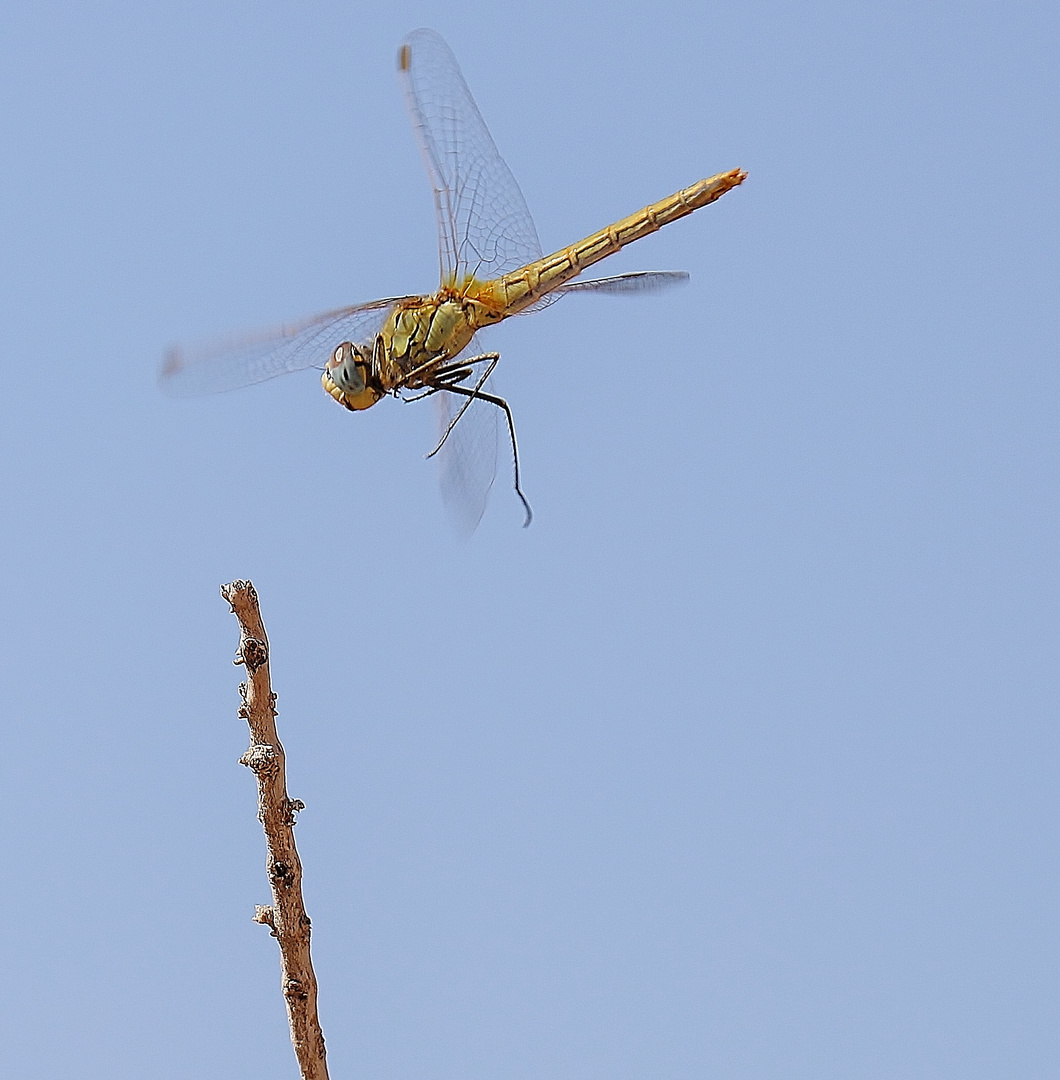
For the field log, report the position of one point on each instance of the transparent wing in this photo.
(232, 362)
(484, 226)
(642, 283)
(467, 461)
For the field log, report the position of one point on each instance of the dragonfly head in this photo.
(347, 377)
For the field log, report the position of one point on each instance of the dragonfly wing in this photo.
(637, 284)
(228, 363)
(646, 281)
(484, 226)
(467, 461)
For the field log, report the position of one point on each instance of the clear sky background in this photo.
(741, 762)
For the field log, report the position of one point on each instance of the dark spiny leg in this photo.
(447, 380)
(501, 404)
(434, 373)
(419, 375)
(444, 377)
(449, 370)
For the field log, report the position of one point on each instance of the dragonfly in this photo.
(492, 267)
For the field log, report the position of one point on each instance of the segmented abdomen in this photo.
(516, 291)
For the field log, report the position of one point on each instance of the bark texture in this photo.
(287, 916)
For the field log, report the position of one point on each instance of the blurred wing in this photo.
(239, 361)
(467, 461)
(484, 226)
(643, 283)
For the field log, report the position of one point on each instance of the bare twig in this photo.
(287, 916)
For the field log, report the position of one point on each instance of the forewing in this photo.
(228, 363)
(467, 461)
(484, 226)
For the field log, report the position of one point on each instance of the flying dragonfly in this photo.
(492, 266)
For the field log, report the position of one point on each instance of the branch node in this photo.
(293, 807)
(229, 592)
(281, 874)
(262, 758)
(264, 914)
(253, 653)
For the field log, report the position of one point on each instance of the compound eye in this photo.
(341, 354)
(357, 376)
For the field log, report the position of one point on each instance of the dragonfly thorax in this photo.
(427, 329)
(349, 377)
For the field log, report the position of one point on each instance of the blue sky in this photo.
(741, 761)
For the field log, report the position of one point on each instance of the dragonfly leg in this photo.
(415, 377)
(447, 376)
(447, 380)
(439, 379)
(415, 397)
(500, 404)
(427, 374)
(437, 375)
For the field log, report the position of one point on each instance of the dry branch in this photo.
(287, 916)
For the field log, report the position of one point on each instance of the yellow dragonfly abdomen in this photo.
(522, 288)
